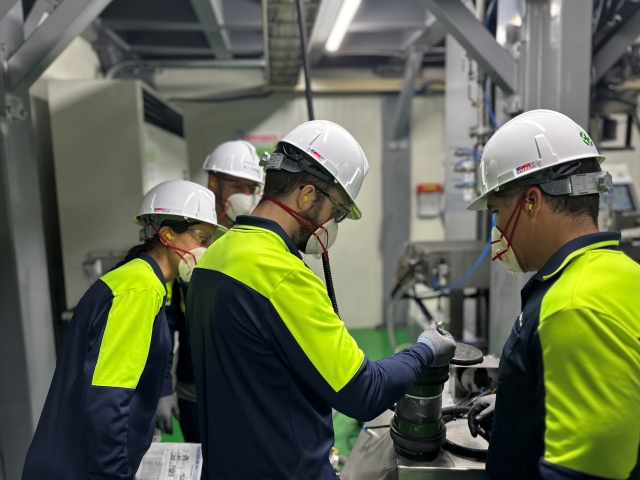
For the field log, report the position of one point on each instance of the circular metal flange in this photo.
(466, 355)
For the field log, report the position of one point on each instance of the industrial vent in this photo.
(282, 39)
(161, 115)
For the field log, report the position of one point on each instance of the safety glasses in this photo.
(203, 238)
(342, 211)
(240, 187)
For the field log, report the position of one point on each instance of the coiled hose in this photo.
(329, 281)
(476, 453)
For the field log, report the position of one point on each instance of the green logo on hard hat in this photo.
(586, 139)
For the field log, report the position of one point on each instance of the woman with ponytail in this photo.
(98, 418)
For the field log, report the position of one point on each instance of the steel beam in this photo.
(6, 6)
(609, 53)
(25, 322)
(209, 18)
(183, 64)
(431, 34)
(403, 109)
(49, 40)
(153, 26)
(556, 58)
(171, 50)
(40, 7)
(382, 26)
(396, 201)
(477, 41)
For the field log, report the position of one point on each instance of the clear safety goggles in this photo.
(203, 238)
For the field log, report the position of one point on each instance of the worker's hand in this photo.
(481, 416)
(441, 344)
(166, 406)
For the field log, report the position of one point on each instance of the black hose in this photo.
(423, 308)
(305, 57)
(476, 453)
(329, 281)
(307, 82)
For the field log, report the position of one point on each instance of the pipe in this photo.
(307, 82)
(305, 57)
(226, 64)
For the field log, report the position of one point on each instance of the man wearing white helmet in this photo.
(236, 179)
(97, 421)
(568, 392)
(271, 357)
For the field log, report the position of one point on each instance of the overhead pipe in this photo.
(187, 64)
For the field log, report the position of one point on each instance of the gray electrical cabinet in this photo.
(113, 140)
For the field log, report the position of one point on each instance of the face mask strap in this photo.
(301, 219)
(175, 249)
(517, 212)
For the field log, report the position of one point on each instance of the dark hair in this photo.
(574, 207)
(281, 183)
(178, 226)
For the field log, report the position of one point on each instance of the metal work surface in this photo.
(374, 458)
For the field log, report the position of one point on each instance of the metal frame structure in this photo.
(608, 54)
(477, 41)
(26, 50)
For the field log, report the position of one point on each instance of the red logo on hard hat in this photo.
(526, 167)
(161, 210)
(316, 154)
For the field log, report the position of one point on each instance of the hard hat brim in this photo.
(234, 174)
(138, 219)
(479, 203)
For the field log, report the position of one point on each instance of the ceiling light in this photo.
(341, 25)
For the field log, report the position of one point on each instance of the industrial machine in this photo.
(455, 270)
(113, 140)
(413, 442)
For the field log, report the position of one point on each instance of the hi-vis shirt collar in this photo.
(156, 268)
(270, 225)
(575, 248)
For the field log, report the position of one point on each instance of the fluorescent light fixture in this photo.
(341, 25)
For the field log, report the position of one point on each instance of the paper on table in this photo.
(171, 461)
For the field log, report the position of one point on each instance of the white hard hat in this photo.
(177, 200)
(328, 145)
(530, 143)
(237, 158)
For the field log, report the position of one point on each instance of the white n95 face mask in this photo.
(240, 204)
(326, 235)
(188, 263)
(502, 251)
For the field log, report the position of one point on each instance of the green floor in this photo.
(375, 344)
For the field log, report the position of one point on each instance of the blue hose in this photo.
(475, 266)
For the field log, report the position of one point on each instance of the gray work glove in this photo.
(441, 344)
(480, 417)
(166, 406)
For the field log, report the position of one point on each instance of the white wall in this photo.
(427, 160)
(356, 257)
